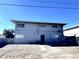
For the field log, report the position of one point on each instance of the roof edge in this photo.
(15, 21)
(72, 28)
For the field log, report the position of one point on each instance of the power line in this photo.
(38, 6)
(54, 2)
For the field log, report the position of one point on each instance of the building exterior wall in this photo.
(73, 32)
(32, 32)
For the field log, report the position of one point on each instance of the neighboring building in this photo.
(73, 31)
(28, 31)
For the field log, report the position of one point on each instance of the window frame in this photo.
(42, 25)
(20, 25)
(54, 26)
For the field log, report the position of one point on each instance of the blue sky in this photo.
(69, 16)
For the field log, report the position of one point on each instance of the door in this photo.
(42, 39)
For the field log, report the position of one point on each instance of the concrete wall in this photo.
(32, 32)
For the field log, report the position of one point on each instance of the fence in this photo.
(10, 40)
(3, 42)
(77, 38)
(70, 41)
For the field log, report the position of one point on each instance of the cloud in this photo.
(1, 32)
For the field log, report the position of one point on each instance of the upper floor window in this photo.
(41, 25)
(54, 26)
(21, 25)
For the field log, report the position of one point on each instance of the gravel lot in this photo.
(38, 52)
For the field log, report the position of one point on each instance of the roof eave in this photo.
(16, 21)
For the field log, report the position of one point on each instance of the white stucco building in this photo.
(73, 31)
(28, 31)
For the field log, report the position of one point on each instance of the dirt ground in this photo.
(38, 52)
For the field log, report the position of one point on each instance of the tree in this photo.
(9, 33)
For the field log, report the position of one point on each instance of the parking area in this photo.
(38, 52)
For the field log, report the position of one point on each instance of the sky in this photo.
(69, 16)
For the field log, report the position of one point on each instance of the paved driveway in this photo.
(38, 52)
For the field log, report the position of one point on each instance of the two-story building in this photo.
(30, 31)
